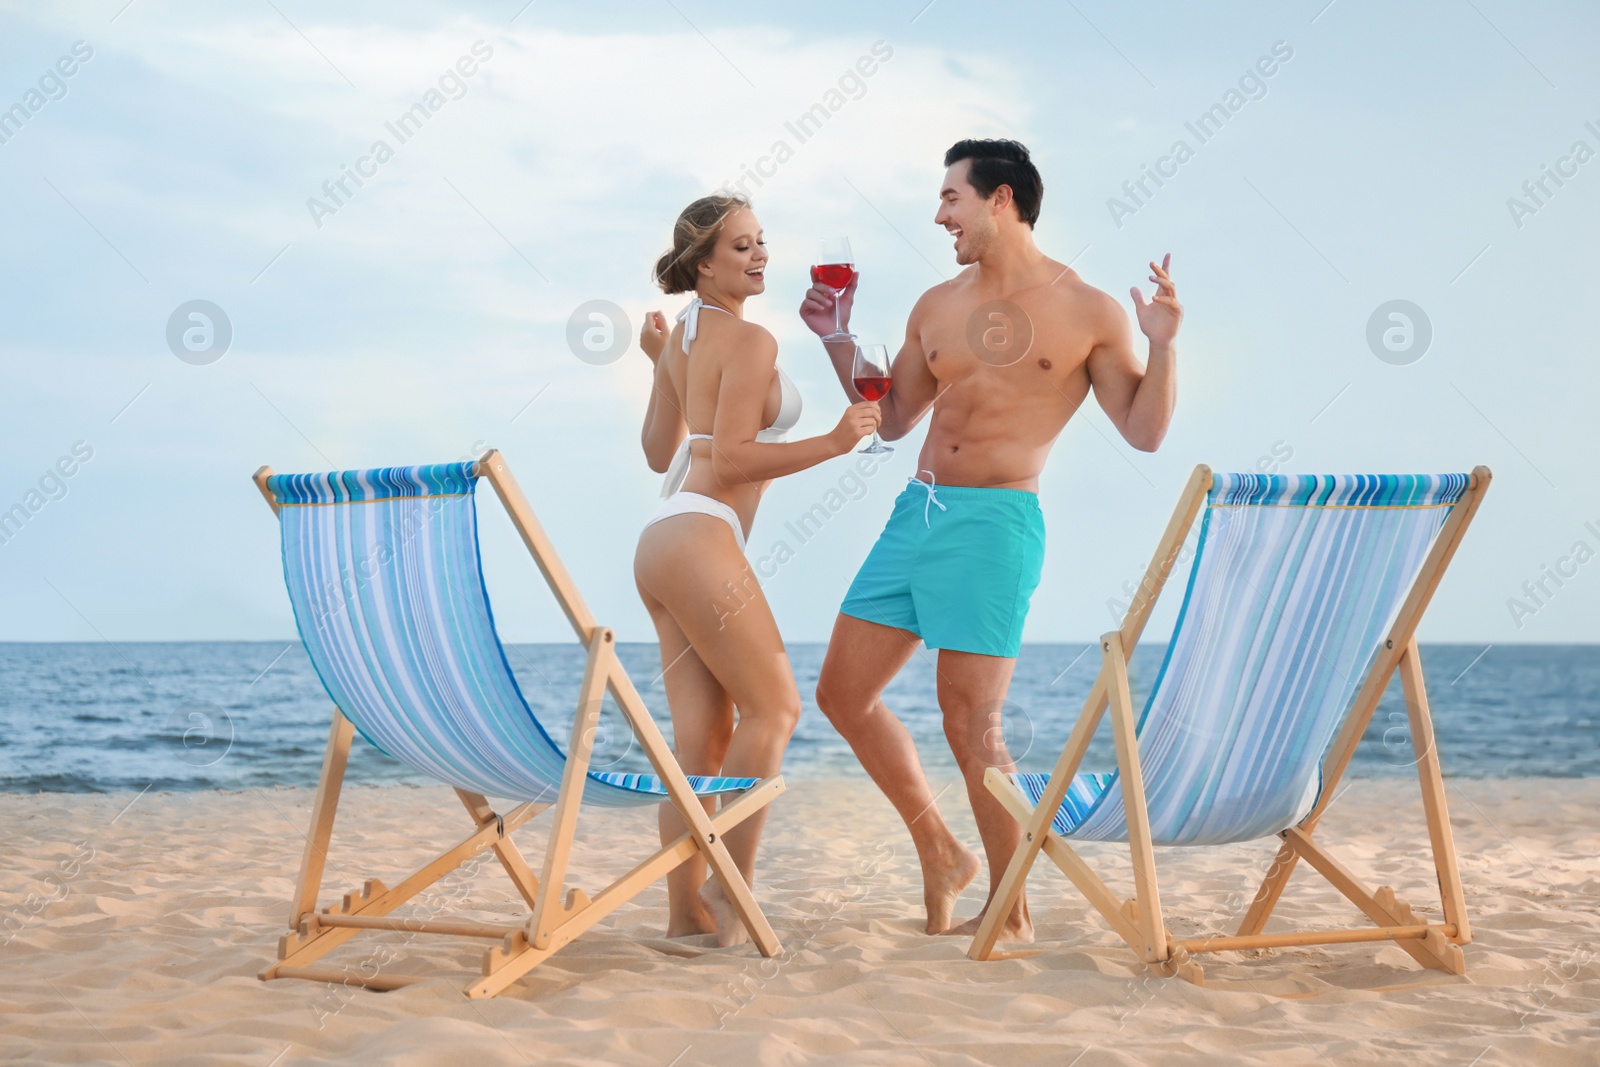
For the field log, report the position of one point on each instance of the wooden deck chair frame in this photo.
(558, 915)
(1138, 920)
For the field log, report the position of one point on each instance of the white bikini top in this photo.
(788, 404)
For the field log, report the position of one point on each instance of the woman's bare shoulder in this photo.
(738, 339)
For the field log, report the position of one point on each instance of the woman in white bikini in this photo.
(716, 425)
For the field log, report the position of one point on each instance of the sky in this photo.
(1393, 153)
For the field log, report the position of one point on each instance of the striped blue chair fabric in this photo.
(1296, 580)
(386, 581)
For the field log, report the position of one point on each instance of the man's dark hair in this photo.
(997, 162)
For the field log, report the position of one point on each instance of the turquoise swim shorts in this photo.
(956, 565)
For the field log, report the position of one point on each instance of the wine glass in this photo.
(835, 268)
(870, 375)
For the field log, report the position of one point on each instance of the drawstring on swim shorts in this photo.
(932, 499)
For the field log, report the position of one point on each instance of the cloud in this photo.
(432, 306)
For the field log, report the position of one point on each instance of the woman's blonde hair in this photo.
(693, 238)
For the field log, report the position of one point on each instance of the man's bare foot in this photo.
(729, 927)
(1017, 929)
(943, 878)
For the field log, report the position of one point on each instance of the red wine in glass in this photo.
(871, 377)
(873, 388)
(836, 276)
(835, 267)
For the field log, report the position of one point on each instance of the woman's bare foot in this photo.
(1018, 928)
(944, 876)
(699, 921)
(730, 928)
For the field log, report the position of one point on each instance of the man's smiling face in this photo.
(968, 217)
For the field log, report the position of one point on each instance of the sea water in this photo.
(239, 715)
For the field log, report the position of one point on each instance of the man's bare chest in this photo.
(1015, 341)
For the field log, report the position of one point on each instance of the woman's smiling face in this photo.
(737, 264)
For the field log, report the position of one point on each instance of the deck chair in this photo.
(1302, 602)
(387, 586)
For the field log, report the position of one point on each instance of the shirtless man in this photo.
(1004, 354)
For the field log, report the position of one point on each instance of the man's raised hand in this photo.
(1159, 318)
(816, 310)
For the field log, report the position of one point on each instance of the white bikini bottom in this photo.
(682, 503)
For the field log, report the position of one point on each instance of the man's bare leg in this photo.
(972, 693)
(862, 659)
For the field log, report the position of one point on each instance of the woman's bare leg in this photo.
(702, 726)
(692, 566)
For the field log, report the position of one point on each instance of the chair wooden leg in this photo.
(1434, 807)
(516, 955)
(314, 858)
(1145, 931)
(505, 849)
(1272, 887)
(492, 467)
(1121, 916)
(1131, 779)
(311, 941)
(1095, 891)
(1035, 830)
(549, 909)
(1036, 820)
(1381, 906)
(603, 671)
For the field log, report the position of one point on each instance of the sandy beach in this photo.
(135, 926)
